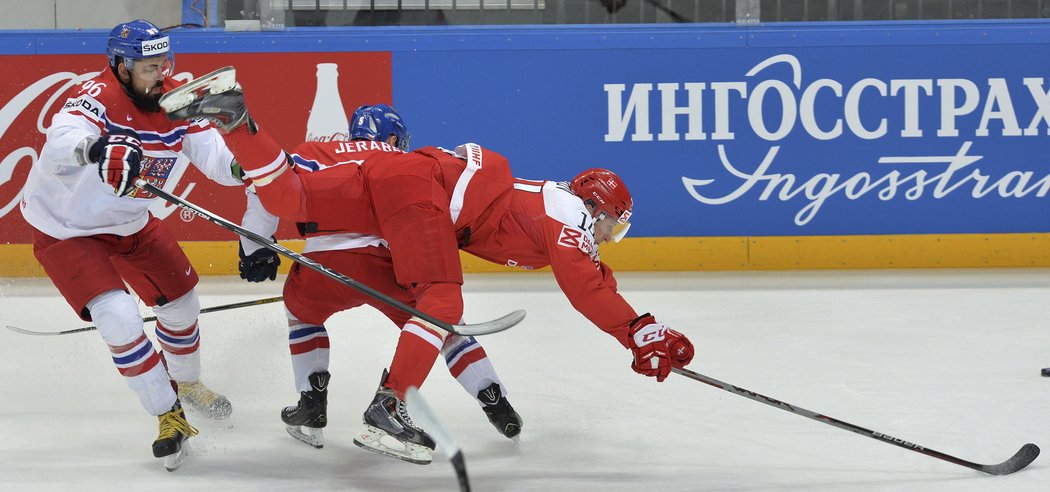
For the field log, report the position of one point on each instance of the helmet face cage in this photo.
(377, 123)
(137, 40)
(610, 198)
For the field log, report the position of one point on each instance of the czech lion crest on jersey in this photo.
(156, 171)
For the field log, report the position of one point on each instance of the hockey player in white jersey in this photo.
(310, 299)
(93, 233)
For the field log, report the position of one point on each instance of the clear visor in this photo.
(404, 143)
(619, 231)
(617, 227)
(148, 65)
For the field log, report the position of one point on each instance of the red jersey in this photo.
(333, 183)
(546, 224)
(333, 197)
(478, 183)
(530, 224)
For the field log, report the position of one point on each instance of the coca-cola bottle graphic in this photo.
(327, 116)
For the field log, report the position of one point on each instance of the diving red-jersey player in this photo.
(431, 202)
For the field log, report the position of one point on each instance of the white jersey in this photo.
(65, 199)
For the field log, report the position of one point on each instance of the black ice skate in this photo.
(499, 411)
(389, 429)
(216, 97)
(306, 420)
(171, 443)
(204, 401)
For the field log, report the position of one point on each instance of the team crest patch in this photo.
(156, 171)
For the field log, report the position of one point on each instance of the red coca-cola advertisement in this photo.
(296, 96)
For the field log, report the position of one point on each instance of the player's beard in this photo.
(153, 99)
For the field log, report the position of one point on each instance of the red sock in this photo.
(417, 349)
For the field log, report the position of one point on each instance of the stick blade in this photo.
(31, 332)
(494, 326)
(460, 465)
(1022, 458)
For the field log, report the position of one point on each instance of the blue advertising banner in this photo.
(794, 137)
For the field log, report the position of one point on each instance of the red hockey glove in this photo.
(656, 348)
(118, 155)
(679, 349)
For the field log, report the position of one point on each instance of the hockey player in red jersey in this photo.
(93, 232)
(431, 202)
(311, 298)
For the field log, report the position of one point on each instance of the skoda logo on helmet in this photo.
(155, 47)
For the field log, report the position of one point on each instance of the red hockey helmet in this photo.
(603, 190)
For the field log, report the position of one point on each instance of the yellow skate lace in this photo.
(175, 421)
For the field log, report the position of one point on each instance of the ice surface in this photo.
(948, 359)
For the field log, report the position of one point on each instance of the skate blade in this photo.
(172, 462)
(310, 435)
(378, 441)
(217, 82)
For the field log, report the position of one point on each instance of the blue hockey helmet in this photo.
(378, 122)
(136, 40)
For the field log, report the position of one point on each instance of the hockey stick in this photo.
(212, 309)
(1019, 460)
(419, 410)
(485, 328)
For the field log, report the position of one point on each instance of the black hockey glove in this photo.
(258, 266)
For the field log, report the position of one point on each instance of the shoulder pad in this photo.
(562, 205)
